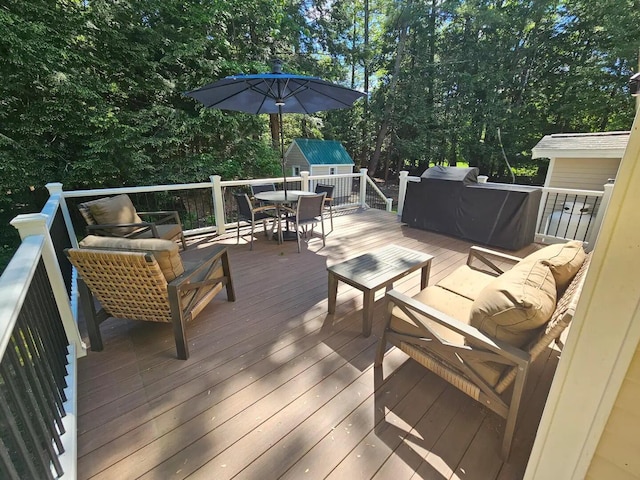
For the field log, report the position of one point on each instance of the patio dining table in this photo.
(279, 198)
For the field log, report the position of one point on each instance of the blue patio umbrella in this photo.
(275, 92)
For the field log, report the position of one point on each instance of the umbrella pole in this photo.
(284, 174)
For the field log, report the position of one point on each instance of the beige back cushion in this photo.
(514, 305)
(114, 210)
(564, 260)
(164, 251)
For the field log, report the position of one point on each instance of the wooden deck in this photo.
(276, 388)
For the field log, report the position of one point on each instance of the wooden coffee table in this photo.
(372, 271)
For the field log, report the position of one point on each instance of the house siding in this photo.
(617, 453)
(583, 173)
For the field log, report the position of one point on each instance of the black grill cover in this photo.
(494, 214)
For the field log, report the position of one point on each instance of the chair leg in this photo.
(91, 317)
(183, 240)
(238, 233)
(298, 236)
(182, 348)
(226, 270)
(331, 215)
(322, 225)
(251, 241)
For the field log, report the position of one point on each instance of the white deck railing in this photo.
(24, 279)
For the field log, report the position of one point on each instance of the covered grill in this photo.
(449, 200)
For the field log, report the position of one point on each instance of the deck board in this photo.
(277, 388)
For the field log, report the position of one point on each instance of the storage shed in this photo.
(584, 161)
(318, 157)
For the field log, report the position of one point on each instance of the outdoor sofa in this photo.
(480, 327)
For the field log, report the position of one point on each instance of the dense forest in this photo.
(92, 91)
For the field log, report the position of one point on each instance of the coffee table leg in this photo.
(333, 292)
(424, 278)
(367, 312)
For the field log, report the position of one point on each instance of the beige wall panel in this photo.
(583, 173)
(603, 469)
(620, 443)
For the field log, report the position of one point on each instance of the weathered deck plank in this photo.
(276, 388)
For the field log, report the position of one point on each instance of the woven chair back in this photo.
(310, 207)
(127, 284)
(328, 189)
(267, 187)
(244, 206)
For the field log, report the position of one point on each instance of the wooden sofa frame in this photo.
(451, 361)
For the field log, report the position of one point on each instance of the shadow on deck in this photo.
(276, 388)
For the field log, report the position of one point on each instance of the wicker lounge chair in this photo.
(434, 328)
(146, 280)
(117, 217)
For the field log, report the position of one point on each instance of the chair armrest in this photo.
(182, 282)
(472, 335)
(265, 208)
(485, 256)
(140, 228)
(288, 209)
(167, 215)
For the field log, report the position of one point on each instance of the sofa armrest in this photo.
(485, 256)
(472, 335)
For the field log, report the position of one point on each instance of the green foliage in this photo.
(92, 92)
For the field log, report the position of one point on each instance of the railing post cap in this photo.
(54, 187)
(30, 224)
(404, 173)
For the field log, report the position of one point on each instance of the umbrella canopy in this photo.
(275, 92)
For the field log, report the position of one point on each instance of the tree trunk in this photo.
(389, 105)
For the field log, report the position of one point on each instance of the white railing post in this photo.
(36, 224)
(218, 204)
(402, 190)
(56, 189)
(305, 181)
(363, 187)
(389, 204)
(595, 228)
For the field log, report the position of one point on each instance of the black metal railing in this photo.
(194, 206)
(60, 238)
(569, 216)
(32, 383)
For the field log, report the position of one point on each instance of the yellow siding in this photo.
(617, 453)
(583, 173)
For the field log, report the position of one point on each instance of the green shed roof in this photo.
(323, 152)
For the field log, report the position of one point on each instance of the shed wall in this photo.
(294, 157)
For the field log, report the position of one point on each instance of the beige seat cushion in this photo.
(114, 210)
(164, 251)
(564, 260)
(454, 306)
(516, 304)
(466, 281)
